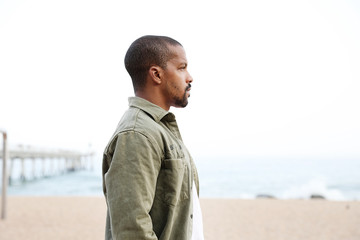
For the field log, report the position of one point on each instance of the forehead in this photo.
(178, 54)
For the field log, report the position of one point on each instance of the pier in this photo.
(27, 163)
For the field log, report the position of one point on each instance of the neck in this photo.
(154, 98)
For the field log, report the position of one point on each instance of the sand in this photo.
(74, 218)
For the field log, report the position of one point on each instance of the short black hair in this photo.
(145, 52)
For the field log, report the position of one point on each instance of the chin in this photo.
(181, 104)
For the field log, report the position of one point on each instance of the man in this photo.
(149, 178)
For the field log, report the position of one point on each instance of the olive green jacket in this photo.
(147, 177)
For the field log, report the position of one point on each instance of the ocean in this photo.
(334, 179)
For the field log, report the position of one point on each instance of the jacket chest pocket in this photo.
(173, 181)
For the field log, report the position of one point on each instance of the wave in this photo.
(313, 187)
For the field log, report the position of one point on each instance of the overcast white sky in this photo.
(271, 78)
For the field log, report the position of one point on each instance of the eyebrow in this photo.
(179, 62)
(184, 63)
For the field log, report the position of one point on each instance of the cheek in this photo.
(175, 87)
(178, 83)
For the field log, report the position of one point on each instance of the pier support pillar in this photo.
(22, 173)
(43, 166)
(33, 168)
(4, 176)
(10, 171)
(52, 172)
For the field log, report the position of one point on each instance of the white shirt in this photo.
(198, 232)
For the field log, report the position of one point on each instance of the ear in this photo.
(155, 73)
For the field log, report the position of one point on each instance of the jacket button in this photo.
(191, 216)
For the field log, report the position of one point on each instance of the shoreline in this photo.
(69, 217)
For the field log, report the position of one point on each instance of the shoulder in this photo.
(136, 122)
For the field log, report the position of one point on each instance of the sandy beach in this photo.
(41, 218)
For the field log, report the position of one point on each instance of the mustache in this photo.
(188, 87)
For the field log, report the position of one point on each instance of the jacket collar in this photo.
(156, 112)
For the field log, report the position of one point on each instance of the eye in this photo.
(183, 67)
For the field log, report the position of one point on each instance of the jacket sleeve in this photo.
(130, 186)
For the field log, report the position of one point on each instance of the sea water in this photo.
(334, 179)
(281, 178)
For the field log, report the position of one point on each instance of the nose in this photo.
(189, 78)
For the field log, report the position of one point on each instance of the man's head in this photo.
(145, 52)
(158, 68)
